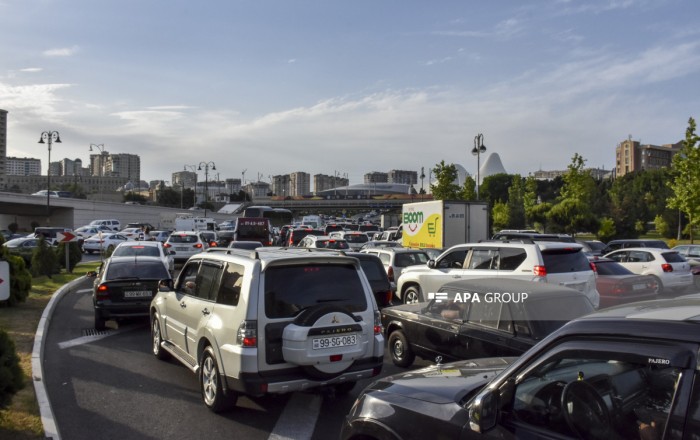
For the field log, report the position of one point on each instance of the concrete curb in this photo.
(42, 397)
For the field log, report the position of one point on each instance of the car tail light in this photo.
(667, 267)
(167, 245)
(213, 244)
(540, 271)
(248, 334)
(102, 292)
(593, 267)
(390, 273)
(197, 245)
(389, 296)
(336, 357)
(617, 288)
(377, 323)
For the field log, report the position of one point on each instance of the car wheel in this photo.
(412, 295)
(157, 339)
(659, 285)
(210, 382)
(99, 321)
(401, 353)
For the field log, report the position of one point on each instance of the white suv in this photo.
(183, 244)
(550, 262)
(273, 320)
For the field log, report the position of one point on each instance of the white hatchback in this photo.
(183, 244)
(671, 270)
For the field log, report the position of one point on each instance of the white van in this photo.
(112, 224)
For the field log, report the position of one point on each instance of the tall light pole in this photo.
(476, 151)
(192, 168)
(422, 176)
(101, 148)
(206, 181)
(48, 137)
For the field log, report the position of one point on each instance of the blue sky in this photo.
(347, 87)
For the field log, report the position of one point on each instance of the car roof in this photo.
(505, 285)
(644, 249)
(131, 258)
(269, 255)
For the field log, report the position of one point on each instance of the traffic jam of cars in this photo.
(527, 335)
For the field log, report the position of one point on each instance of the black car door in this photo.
(488, 330)
(439, 324)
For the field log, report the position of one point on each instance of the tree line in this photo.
(666, 199)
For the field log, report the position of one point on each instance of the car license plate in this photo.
(181, 249)
(334, 341)
(137, 293)
(639, 287)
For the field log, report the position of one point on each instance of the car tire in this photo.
(401, 353)
(99, 321)
(659, 285)
(412, 295)
(157, 339)
(210, 383)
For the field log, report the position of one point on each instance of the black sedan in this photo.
(479, 318)
(627, 372)
(124, 287)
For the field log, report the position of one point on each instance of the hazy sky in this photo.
(326, 86)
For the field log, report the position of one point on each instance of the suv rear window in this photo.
(291, 289)
(565, 260)
(154, 270)
(410, 259)
(673, 257)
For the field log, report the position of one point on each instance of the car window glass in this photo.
(637, 257)
(618, 256)
(611, 268)
(629, 388)
(673, 257)
(187, 279)
(207, 281)
(486, 313)
(154, 270)
(291, 289)
(505, 322)
(693, 426)
(230, 287)
(484, 259)
(454, 259)
(386, 258)
(511, 258)
(565, 260)
(373, 270)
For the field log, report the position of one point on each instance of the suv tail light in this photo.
(667, 267)
(540, 271)
(390, 273)
(377, 323)
(593, 267)
(248, 334)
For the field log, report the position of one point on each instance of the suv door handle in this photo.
(183, 305)
(205, 311)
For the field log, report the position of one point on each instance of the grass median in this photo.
(21, 420)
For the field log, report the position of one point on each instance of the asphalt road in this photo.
(110, 386)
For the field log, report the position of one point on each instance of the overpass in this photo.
(25, 209)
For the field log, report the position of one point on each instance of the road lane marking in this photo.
(84, 291)
(92, 338)
(298, 420)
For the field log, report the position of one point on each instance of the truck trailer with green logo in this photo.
(440, 224)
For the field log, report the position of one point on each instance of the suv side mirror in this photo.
(483, 412)
(431, 264)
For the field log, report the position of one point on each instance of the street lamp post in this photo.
(101, 148)
(192, 168)
(476, 151)
(206, 181)
(48, 137)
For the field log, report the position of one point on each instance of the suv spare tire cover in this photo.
(317, 323)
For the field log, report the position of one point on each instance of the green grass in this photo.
(21, 419)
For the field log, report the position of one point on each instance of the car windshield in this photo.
(154, 270)
(130, 251)
(356, 238)
(291, 289)
(611, 268)
(673, 257)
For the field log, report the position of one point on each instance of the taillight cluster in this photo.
(167, 245)
(248, 334)
(390, 273)
(539, 271)
(377, 323)
(667, 267)
(197, 245)
(102, 292)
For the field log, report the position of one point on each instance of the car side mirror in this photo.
(91, 274)
(165, 285)
(483, 411)
(431, 264)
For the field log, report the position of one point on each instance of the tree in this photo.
(44, 260)
(445, 187)
(495, 188)
(607, 231)
(500, 216)
(573, 212)
(516, 203)
(468, 191)
(685, 180)
(170, 198)
(11, 376)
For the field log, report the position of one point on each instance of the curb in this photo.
(42, 397)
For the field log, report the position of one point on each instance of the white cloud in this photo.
(31, 69)
(61, 52)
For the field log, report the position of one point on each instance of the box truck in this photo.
(440, 224)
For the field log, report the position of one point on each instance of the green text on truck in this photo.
(440, 224)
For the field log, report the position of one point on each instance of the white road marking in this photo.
(298, 419)
(92, 338)
(84, 291)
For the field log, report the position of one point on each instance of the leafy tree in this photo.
(607, 231)
(445, 176)
(495, 188)
(75, 255)
(661, 225)
(530, 199)
(516, 203)
(20, 277)
(11, 376)
(170, 198)
(500, 216)
(573, 211)
(130, 196)
(44, 260)
(685, 179)
(468, 191)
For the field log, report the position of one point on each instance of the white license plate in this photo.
(137, 294)
(639, 287)
(334, 341)
(181, 249)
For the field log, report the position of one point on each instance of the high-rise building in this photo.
(98, 163)
(3, 148)
(124, 165)
(185, 179)
(23, 166)
(280, 185)
(402, 176)
(323, 182)
(632, 156)
(376, 177)
(70, 167)
(299, 184)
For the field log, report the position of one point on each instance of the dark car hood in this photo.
(444, 383)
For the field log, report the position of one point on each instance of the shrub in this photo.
(74, 255)
(20, 278)
(607, 230)
(44, 260)
(11, 379)
(13, 227)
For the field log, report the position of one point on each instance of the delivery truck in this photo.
(439, 224)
